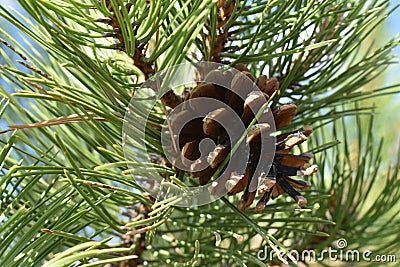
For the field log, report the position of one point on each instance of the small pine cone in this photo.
(246, 97)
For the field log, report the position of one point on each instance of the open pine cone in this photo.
(204, 161)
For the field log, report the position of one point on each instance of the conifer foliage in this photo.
(67, 193)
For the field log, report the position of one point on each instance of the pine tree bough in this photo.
(67, 196)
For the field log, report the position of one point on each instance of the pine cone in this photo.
(246, 97)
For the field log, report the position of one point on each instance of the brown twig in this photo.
(140, 50)
(225, 9)
(56, 121)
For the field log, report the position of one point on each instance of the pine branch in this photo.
(68, 198)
